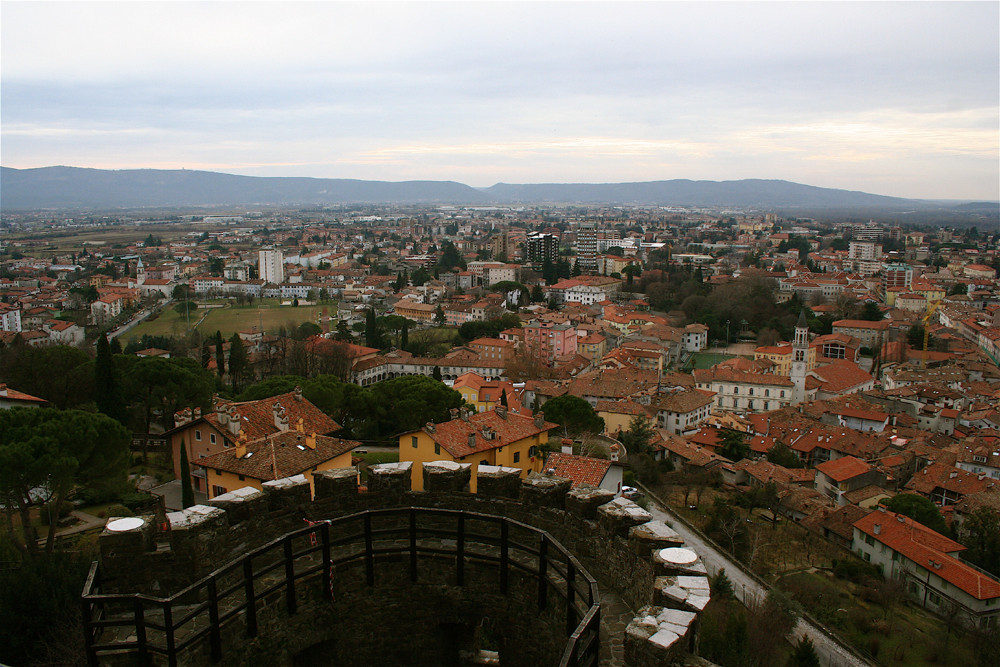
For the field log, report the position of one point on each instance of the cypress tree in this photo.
(105, 382)
(187, 491)
(503, 398)
(436, 373)
(404, 336)
(220, 354)
(238, 361)
(206, 353)
(116, 346)
(371, 329)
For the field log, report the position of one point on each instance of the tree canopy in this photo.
(574, 414)
(919, 509)
(45, 452)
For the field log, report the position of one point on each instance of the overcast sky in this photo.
(899, 98)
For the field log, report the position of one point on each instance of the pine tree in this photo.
(804, 654)
(187, 491)
(220, 354)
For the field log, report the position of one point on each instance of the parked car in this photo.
(631, 492)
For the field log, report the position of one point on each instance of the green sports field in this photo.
(229, 319)
(706, 360)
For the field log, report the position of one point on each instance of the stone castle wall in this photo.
(614, 539)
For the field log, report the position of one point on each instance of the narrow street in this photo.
(831, 652)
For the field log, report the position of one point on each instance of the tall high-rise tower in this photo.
(271, 268)
(800, 352)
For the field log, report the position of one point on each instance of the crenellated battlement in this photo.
(399, 541)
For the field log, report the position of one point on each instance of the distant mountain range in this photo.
(77, 188)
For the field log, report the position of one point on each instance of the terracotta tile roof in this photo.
(6, 393)
(841, 375)
(950, 478)
(580, 469)
(257, 417)
(681, 401)
(844, 468)
(841, 521)
(461, 437)
(928, 549)
(765, 471)
(717, 374)
(290, 453)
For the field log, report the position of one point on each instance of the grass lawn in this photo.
(904, 635)
(230, 319)
(706, 360)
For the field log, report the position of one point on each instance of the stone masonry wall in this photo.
(614, 539)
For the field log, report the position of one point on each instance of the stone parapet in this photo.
(241, 504)
(584, 500)
(498, 482)
(288, 493)
(657, 636)
(338, 484)
(621, 514)
(391, 479)
(545, 490)
(447, 476)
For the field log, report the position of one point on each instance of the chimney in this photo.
(241, 450)
(454, 413)
(539, 419)
(181, 417)
(472, 440)
(877, 529)
(298, 393)
(465, 415)
(197, 413)
(311, 440)
(222, 413)
(615, 450)
(3, 389)
(280, 418)
(501, 411)
(567, 446)
(300, 426)
(429, 427)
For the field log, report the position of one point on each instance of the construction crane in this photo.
(931, 307)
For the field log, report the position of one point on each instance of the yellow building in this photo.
(497, 437)
(781, 355)
(485, 394)
(276, 456)
(618, 415)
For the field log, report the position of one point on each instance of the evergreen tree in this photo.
(439, 314)
(187, 491)
(404, 335)
(734, 445)
(503, 398)
(239, 362)
(116, 346)
(106, 392)
(371, 329)
(436, 373)
(804, 654)
(206, 353)
(220, 354)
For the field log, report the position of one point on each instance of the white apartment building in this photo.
(271, 268)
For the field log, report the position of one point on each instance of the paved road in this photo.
(831, 653)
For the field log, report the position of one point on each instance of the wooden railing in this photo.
(146, 626)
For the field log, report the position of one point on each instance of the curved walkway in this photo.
(831, 652)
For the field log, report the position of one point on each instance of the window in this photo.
(413, 441)
(242, 478)
(437, 448)
(197, 435)
(782, 393)
(935, 599)
(218, 473)
(869, 540)
(751, 391)
(517, 457)
(867, 557)
(211, 438)
(217, 490)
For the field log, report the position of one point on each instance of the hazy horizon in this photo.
(896, 99)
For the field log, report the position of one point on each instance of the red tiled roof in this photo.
(454, 435)
(928, 549)
(580, 469)
(843, 468)
(287, 450)
(257, 417)
(15, 395)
